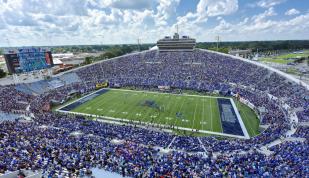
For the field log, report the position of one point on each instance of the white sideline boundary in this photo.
(153, 92)
(140, 91)
(242, 125)
(58, 109)
(114, 120)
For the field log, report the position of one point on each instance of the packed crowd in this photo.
(202, 71)
(302, 132)
(50, 143)
(12, 100)
(62, 144)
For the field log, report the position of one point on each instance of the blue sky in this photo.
(62, 22)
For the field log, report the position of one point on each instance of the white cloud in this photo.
(292, 12)
(82, 21)
(258, 23)
(268, 13)
(114, 17)
(223, 27)
(269, 3)
(209, 8)
(2, 24)
(218, 7)
(45, 22)
(262, 27)
(120, 4)
(131, 4)
(98, 4)
(165, 9)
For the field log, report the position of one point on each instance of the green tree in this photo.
(2, 73)
(222, 49)
(107, 55)
(88, 60)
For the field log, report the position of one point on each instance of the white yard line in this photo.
(97, 103)
(211, 122)
(243, 127)
(163, 125)
(140, 91)
(114, 103)
(121, 120)
(203, 114)
(249, 124)
(166, 108)
(203, 96)
(144, 114)
(172, 111)
(169, 145)
(194, 114)
(176, 119)
(126, 107)
(79, 99)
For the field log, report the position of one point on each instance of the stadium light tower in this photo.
(8, 42)
(49, 39)
(139, 44)
(218, 40)
(101, 37)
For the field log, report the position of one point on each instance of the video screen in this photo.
(28, 59)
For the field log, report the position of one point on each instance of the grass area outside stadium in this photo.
(285, 58)
(195, 112)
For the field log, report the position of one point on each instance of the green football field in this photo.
(186, 111)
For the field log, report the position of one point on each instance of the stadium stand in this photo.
(69, 78)
(47, 143)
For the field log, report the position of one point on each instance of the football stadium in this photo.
(178, 111)
(175, 110)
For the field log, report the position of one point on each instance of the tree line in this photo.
(262, 46)
(117, 50)
(223, 46)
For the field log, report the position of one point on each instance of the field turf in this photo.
(188, 111)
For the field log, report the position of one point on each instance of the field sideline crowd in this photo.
(49, 141)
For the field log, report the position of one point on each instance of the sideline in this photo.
(242, 125)
(114, 120)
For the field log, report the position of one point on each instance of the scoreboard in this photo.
(23, 60)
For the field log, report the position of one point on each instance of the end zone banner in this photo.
(164, 87)
(101, 85)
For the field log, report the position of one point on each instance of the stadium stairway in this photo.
(265, 151)
(43, 86)
(28, 85)
(39, 87)
(201, 143)
(56, 83)
(24, 89)
(168, 147)
(27, 173)
(143, 56)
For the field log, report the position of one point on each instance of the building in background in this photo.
(185, 43)
(246, 53)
